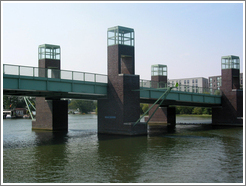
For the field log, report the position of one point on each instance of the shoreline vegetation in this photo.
(180, 115)
(194, 115)
(88, 107)
(191, 115)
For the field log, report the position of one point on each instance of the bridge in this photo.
(25, 81)
(119, 93)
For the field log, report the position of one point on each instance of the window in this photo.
(193, 81)
(188, 82)
(184, 81)
(47, 51)
(196, 80)
(211, 85)
(120, 35)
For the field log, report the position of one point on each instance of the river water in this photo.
(190, 154)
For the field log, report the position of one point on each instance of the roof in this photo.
(230, 56)
(49, 46)
(121, 28)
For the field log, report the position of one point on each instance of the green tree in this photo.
(217, 92)
(207, 111)
(83, 105)
(143, 108)
(197, 110)
(184, 110)
(11, 102)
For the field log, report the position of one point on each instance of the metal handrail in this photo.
(92, 77)
(53, 73)
(182, 88)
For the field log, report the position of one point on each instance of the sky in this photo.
(189, 38)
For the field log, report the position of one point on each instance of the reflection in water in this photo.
(50, 155)
(123, 156)
(189, 154)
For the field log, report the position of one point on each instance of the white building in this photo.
(197, 84)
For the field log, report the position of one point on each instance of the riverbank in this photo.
(194, 115)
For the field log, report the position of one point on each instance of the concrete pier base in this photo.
(157, 127)
(51, 115)
(163, 120)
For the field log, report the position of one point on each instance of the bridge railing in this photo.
(53, 73)
(182, 88)
(91, 77)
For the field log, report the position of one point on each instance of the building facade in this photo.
(241, 79)
(196, 85)
(214, 83)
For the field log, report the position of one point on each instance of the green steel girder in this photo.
(52, 88)
(61, 88)
(148, 95)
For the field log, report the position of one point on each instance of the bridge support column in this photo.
(118, 113)
(163, 120)
(231, 110)
(51, 115)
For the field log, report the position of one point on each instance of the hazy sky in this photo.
(189, 38)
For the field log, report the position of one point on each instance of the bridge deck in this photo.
(19, 85)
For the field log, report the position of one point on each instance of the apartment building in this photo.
(241, 79)
(197, 84)
(214, 82)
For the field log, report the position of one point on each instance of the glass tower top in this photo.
(230, 62)
(47, 51)
(158, 70)
(119, 35)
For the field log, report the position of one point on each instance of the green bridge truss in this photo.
(25, 81)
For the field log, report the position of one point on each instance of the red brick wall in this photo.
(231, 100)
(122, 105)
(51, 114)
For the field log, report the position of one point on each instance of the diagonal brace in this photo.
(163, 97)
(165, 93)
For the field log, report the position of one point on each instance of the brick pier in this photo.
(118, 113)
(231, 110)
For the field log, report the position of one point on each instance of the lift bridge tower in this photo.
(118, 113)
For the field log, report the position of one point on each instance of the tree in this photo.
(217, 92)
(83, 105)
(11, 102)
(207, 111)
(184, 110)
(197, 110)
(143, 108)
